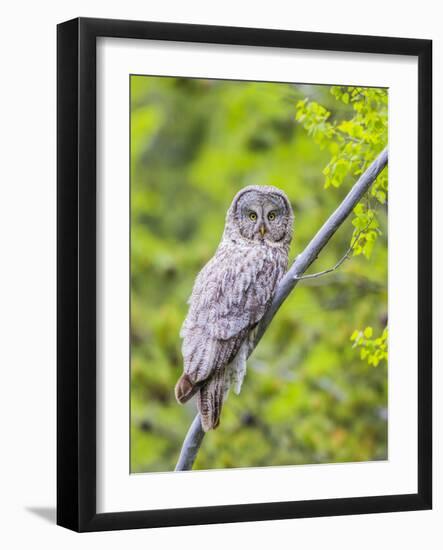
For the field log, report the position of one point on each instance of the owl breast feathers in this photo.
(230, 296)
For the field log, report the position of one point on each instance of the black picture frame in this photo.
(76, 278)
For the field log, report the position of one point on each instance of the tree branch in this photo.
(191, 445)
(195, 434)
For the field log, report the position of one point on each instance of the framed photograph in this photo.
(244, 289)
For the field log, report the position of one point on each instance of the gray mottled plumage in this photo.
(230, 296)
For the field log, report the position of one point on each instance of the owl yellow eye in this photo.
(252, 216)
(271, 216)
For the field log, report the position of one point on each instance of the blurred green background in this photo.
(309, 395)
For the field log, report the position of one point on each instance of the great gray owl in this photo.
(230, 296)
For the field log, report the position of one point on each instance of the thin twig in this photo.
(345, 257)
(195, 434)
(326, 271)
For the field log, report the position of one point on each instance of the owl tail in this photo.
(210, 400)
(185, 389)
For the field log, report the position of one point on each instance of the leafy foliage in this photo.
(373, 350)
(307, 396)
(353, 143)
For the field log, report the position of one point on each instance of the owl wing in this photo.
(230, 296)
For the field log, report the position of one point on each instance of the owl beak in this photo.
(262, 230)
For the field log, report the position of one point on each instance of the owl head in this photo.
(262, 214)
